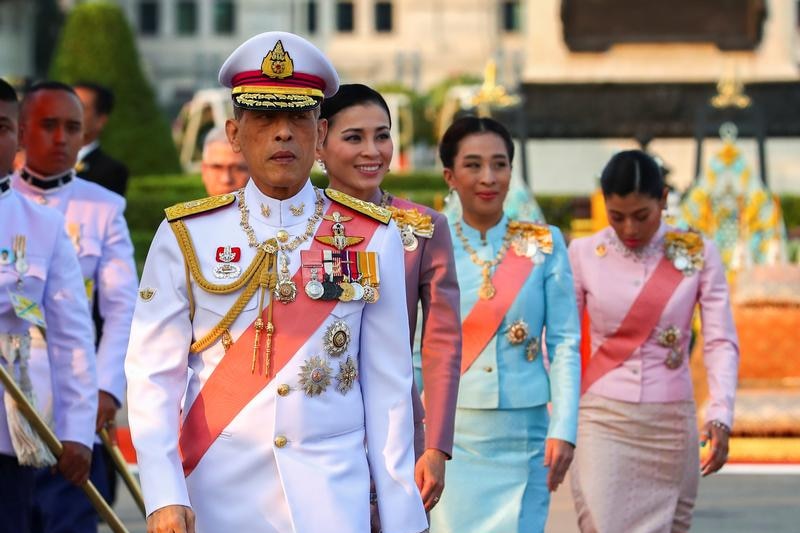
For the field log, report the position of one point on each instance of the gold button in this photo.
(487, 369)
(280, 441)
(283, 390)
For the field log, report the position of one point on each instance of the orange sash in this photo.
(481, 324)
(637, 325)
(231, 385)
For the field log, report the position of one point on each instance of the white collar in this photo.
(88, 149)
(280, 213)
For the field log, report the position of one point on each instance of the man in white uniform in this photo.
(38, 263)
(51, 133)
(287, 303)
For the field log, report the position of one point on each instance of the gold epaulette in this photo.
(376, 212)
(689, 240)
(534, 232)
(194, 207)
(421, 225)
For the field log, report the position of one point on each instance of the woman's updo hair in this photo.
(632, 171)
(349, 95)
(466, 126)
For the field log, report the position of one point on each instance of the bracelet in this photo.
(722, 426)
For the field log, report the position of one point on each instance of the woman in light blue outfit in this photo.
(515, 280)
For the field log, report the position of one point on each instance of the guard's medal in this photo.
(227, 255)
(338, 238)
(314, 288)
(407, 237)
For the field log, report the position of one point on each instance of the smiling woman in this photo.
(515, 280)
(356, 154)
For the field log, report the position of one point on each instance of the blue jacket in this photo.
(503, 377)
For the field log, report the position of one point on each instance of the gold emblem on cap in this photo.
(277, 63)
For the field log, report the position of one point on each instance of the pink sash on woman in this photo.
(638, 324)
(481, 324)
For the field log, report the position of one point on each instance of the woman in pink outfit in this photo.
(356, 154)
(637, 465)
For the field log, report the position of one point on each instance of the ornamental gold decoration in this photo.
(337, 338)
(277, 64)
(315, 376)
(347, 376)
(685, 250)
(517, 332)
(147, 293)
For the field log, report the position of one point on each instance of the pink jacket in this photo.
(608, 278)
(431, 281)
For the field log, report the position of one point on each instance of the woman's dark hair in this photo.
(351, 94)
(632, 171)
(469, 125)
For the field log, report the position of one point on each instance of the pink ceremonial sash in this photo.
(231, 386)
(638, 324)
(482, 322)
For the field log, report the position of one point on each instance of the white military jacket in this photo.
(54, 282)
(95, 224)
(288, 462)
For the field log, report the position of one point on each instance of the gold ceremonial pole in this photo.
(122, 467)
(52, 442)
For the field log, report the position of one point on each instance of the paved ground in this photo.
(740, 501)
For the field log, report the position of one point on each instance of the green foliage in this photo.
(97, 45)
(149, 195)
(790, 205)
(422, 127)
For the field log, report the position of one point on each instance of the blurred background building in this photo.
(592, 76)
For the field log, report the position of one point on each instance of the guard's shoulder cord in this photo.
(249, 280)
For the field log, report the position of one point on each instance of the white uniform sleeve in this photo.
(156, 368)
(116, 297)
(385, 376)
(70, 346)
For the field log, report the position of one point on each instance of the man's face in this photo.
(8, 136)
(223, 170)
(51, 131)
(279, 147)
(93, 123)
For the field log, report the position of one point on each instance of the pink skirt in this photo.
(636, 466)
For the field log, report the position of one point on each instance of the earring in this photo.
(321, 164)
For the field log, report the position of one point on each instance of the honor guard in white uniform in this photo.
(40, 286)
(287, 303)
(50, 125)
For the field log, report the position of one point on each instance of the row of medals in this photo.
(344, 291)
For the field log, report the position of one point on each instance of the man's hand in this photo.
(75, 462)
(106, 411)
(171, 519)
(429, 475)
(719, 448)
(558, 456)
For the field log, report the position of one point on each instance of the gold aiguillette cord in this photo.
(266, 282)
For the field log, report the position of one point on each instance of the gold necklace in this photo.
(282, 236)
(384, 198)
(487, 289)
